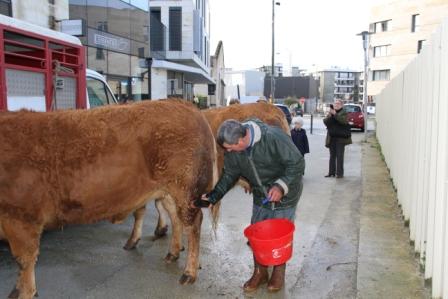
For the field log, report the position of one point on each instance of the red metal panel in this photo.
(48, 78)
(24, 68)
(2, 74)
(69, 55)
(82, 83)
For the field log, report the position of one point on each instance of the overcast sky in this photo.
(317, 32)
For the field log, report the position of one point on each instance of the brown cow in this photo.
(263, 111)
(69, 167)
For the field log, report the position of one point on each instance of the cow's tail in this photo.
(215, 208)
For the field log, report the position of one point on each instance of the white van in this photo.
(98, 92)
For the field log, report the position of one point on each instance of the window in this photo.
(352, 108)
(139, 25)
(97, 59)
(381, 75)
(119, 21)
(5, 8)
(382, 26)
(78, 9)
(97, 93)
(175, 28)
(119, 64)
(381, 51)
(420, 45)
(415, 23)
(157, 31)
(97, 14)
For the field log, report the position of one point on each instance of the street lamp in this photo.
(273, 51)
(365, 44)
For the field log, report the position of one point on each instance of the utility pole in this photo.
(365, 44)
(273, 52)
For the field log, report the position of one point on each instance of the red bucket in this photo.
(271, 241)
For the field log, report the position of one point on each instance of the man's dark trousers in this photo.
(336, 157)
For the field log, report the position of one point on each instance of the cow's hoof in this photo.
(14, 294)
(170, 258)
(186, 279)
(182, 249)
(160, 232)
(131, 244)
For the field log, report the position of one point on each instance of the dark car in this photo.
(298, 111)
(285, 110)
(355, 117)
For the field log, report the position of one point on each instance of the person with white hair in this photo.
(298, 135)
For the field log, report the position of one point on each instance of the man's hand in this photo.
(275, 193)
(203, 202)
(332, 111)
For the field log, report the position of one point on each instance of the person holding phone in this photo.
(338, 136)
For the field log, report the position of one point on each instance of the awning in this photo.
(192, 74)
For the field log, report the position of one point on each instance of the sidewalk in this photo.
(387, 266)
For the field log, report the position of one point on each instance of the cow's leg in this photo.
(162, 226)
(24, 241)
(193, 232)
(176, 239)
(139, 216)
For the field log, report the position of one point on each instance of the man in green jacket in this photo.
(273, 166)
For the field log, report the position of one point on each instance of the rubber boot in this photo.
(277, 280)
(259, 277)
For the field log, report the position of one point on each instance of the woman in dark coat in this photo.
(338, 136)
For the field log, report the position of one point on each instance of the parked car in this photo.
(371, 108)
(298, 111)
(285, 110)
(354, 116)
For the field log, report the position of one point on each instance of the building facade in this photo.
(267, 69)
(244, 84)
(116, 40)
(292, 87)
(341, 84)
(115, 34)
(45, 13)
(399, 29)
(179, 47)
(215, 92)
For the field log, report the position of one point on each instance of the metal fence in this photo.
(412, 128)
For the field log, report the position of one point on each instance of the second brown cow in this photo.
(215, 117)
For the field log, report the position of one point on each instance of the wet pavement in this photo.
(337, 252)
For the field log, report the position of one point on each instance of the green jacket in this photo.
(340, 118)
(276, 159)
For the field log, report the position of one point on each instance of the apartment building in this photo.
(179, 47)
(399, 29)
(341, 84)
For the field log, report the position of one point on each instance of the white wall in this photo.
(251, 83)
(412, 128)
(158, 84)
(38, 11)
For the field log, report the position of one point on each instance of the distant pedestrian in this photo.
(298, 135)
(234, 101)
(338, 136)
